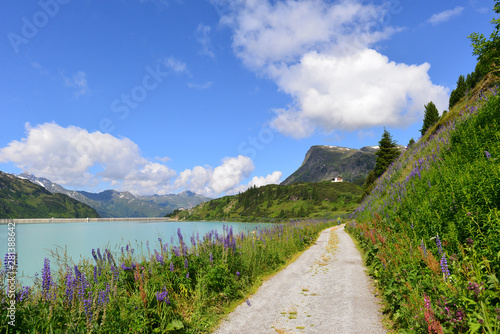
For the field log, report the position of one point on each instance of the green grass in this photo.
(430, 227)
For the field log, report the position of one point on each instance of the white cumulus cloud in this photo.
(73, 157)
(356, 91)
(259, 181)
(68, 156)
(322, 54)
(221, 179)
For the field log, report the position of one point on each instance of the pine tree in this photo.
(430, 118)
(387, 153)
(458, 92)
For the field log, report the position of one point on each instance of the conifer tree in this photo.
(431, 116)
(458, 92)
(387, 153)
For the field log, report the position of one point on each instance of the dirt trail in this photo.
(324, 291)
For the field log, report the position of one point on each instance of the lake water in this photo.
(34, 242)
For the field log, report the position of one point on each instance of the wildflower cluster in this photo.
(439, 197)
(168, 287)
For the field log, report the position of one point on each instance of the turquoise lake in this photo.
(34, 242)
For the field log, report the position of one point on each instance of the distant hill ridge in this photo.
(116, 204)
(21, 198)
(325, 162)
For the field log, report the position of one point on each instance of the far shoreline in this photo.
(4, 221)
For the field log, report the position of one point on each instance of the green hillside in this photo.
(314, 200)
(23, 199)
(430, 227)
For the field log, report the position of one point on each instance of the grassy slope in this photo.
(436, 211)
(314, 200)
(24, 199)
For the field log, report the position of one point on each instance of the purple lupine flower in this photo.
(103, 299)
(24, 294)
(429, 183)
(94, 255)
(70, 286)
(248, 302)
(95, 274)
(99, 254)
(171, 266)
(115, 272)
(423, 248)
(88, 308)
(187, 275)
(110, 256)
(185, 263)
(211, 258)
(80, 277)
(6, 261)
(488, 155)
(438, 244)
(159, 258)
(176, 251)
(163, 296)
(238, 274)
(444, 267)
(46, 280)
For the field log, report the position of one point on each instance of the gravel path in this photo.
(324, 291)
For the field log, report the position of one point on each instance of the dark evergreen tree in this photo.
(411, 142)
(387, 153)
(458, 92)
(431, 116)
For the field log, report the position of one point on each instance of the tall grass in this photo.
(184, 287)
(431, 227)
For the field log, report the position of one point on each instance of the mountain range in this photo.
(116, 204)
(321, 163)
(20, 198)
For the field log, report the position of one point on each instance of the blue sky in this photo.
(159, 96)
